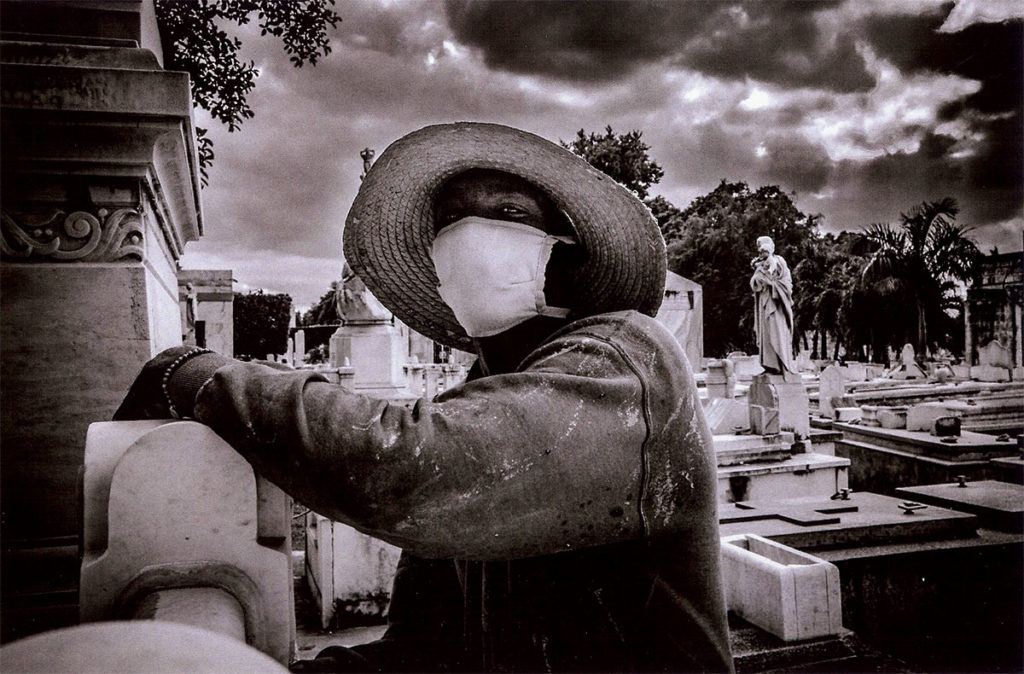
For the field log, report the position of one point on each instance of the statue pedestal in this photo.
(101, 193)
(779, 403)
(377, 352)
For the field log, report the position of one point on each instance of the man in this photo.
(557, 511)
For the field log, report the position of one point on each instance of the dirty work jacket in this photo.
(578, 493)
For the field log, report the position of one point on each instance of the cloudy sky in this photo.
(861, 108)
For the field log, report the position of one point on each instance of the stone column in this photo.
(100, 195)
(968, 333)
(1018, 352)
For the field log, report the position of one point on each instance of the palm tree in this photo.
(922, 261)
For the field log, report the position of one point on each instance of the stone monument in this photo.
(831, 385)
(780, 384)
(721, 381)
(907, 367)
(101, 193)
(368, 340)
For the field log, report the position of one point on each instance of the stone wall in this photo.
(100, 195)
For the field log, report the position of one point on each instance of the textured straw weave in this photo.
(390, 228)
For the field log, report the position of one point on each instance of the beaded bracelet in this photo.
(178, 362)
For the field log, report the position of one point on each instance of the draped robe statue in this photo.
(355, 302)
(773, 308)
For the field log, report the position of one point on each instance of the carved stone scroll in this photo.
(76, 236)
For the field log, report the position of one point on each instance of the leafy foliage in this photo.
(194, 42)
(712, 242)
(827, 296)
(261, 323)
(622, 156)
(921, 263)
(325, 311)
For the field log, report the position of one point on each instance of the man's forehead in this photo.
(490, 180)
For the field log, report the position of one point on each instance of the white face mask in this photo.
(492, 273)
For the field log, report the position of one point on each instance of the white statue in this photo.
(355, 302)
(773, 308)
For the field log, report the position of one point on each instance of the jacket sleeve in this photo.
(534, 462)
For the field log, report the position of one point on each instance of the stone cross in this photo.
(803, 515)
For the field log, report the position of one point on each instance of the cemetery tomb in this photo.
(801, 473)
(884, 459)
(932, 585)
(861, 518)
(999, 505)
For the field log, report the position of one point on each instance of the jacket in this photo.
(560, 517)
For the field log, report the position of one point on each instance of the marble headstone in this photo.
(830, 385)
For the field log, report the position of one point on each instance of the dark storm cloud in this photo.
(776, 41)
(992, 53)
(795, 164)
(712, 153)
(881, 189)
(766, 93)
(591, 40)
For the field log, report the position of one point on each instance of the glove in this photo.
(167, 385)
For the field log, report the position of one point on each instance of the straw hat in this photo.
(390, 228)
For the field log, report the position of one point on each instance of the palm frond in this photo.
(952, 252)
(891, 247)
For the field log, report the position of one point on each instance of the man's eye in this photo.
(513, 211)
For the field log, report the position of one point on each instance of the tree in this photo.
(194, 42)
(668, 216)
(622, 157)
(825, 295)
(325, 311)
(712, 242)
(921, 263)
(261, 323)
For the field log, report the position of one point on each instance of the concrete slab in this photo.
(734, 450)
(848, 414)
(882, 469)
(864, 519)
(999, 505)
(969, 446)
(726, 415)
(807, 473)
(1009, 469)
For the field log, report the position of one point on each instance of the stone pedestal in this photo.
(779, 403)
(100, 195)
(378, 353)
(721, 381)
(339, 349)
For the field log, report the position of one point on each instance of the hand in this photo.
(146, 398)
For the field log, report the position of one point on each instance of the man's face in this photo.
(496, 195)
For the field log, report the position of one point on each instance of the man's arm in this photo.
(507, 466)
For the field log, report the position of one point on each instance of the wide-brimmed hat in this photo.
(390, 227)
